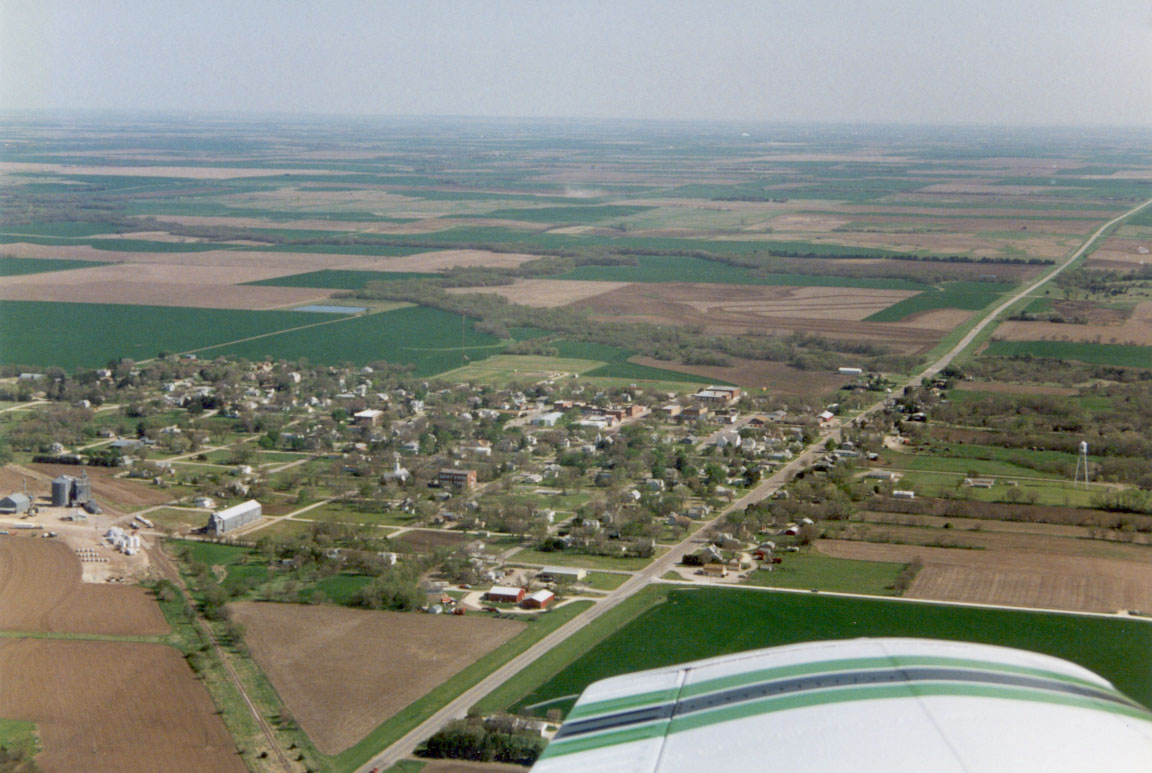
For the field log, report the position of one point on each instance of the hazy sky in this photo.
(1054, 62)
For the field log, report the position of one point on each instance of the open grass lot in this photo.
(700, 623)
(179, 519)
(1101, 354)
(812, 570)
(1055, 492)
(582, 560)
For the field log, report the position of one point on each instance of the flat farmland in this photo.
(1123, 355)
(41, 591)
(779, 377)
(76, 335)
(546, 293)
(120, 707)
(1105, 326)
(344, 671)
(837, 312)
(148, 284)
(708, 622)
(1012, 569)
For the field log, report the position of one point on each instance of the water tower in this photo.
(1082, 465)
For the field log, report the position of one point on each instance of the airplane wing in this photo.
(864, 704)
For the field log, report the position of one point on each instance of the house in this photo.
(705, 555)
(369, 417)
(725, 439)
(880, 475)
(671, 410)
(457, 477)
(715, 570)
(207, 503)
(224, 521)
(504, 594)
(15, 503)
(539, 600)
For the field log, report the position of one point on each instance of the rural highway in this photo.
(458, 707)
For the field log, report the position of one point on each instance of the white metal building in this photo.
(234, 517)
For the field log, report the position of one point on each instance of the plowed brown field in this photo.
(836, 312)
(1020, 577)
(120, 707)
(343, 671)
(118, 491)
(40, 590)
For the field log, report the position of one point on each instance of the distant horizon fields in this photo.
(782, 229)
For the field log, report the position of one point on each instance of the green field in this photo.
(970, 296)
(18, 266)
(430, 340)
(332, 279)
(706, 622)
(617, 365)
(811, 570)
(84, 335)
(1121, 355)
(88, 335)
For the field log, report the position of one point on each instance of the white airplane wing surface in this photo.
(859, 705)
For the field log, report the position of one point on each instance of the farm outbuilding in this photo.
(224, 521)
(539, 600)
(505, 594)
(558, 573)
(15, 503)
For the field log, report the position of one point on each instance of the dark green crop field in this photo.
(88, 335)
(1121, 355)
(970, 296)
(430, 340)
(18, 266)
(700, 623)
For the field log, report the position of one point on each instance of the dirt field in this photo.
(118, 491)
(1136, 329)
(1024, 570)
(546, 293)
(777, 377)
(113, 706)
(737, 309)
(40, 590)
(442, 260)
(343, 671)
(159, 285)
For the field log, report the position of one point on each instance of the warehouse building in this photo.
(224, 521)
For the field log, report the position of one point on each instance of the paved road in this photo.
(459, 707)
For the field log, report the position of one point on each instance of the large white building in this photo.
(224, 521)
